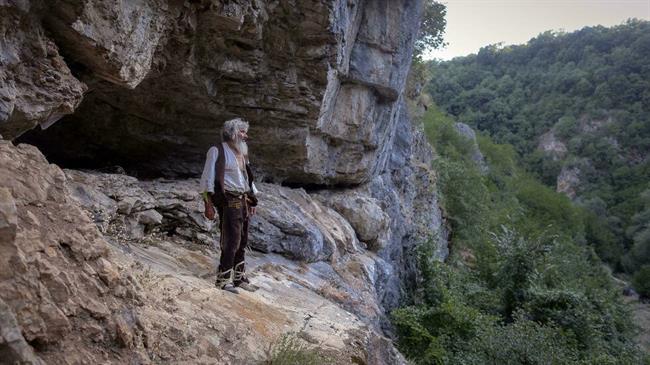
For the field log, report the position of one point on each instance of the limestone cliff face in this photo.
(319, 80)
(147, 84)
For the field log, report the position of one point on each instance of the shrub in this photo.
(521, 342)
(290, 350)
(440, 323)
(641, 281)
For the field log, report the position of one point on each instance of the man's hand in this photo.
(209, 210)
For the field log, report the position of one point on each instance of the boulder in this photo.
(363, 212)
(291, 222)
(150, 217)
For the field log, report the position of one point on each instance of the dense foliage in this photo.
(587, 95)
(430, 36)
(520, 286)
(432, 28)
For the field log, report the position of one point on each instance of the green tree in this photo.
(641, 281)
(639, 232)
(432, 28)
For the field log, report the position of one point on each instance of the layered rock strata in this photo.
(320, 82)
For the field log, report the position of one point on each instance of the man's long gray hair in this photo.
(230, 134)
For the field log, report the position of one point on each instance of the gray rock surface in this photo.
(36, 85)
(288, 221)
(370, 222)
(116, 42)
(291, 222)
(552, 146)
(408, 194)
(478, 158)
(319, 80)
(72, 294)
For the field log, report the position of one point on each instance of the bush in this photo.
(521, 342)
(415, 340)
(641, 281)
(549, 302)
(290, 350)
(440, 323)
(546, 208)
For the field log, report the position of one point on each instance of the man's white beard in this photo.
(241, 146)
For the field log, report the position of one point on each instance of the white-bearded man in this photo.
(227, 184)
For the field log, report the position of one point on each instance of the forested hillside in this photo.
(576, 108)
(519, 286)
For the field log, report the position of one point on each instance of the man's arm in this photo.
(207, 182)
(208, 208)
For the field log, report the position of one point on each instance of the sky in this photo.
(472, 24)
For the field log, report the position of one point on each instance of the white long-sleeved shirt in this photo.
(234, 179)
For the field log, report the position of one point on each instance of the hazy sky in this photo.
(472, 24)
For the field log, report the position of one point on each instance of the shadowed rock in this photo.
(319, 81)
(36, 85)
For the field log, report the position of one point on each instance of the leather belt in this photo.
(235, 194)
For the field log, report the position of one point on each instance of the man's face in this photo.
(243, 135)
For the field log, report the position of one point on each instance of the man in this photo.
(227, 183)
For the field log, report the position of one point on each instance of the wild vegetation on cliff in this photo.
(575, 107)
(520, 287)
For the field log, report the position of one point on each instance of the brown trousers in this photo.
(233, 219)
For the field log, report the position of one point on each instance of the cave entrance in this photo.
(68, 145)
(112, 148)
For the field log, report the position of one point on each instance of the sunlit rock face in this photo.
(115, 40)
(320, 82)
(36, 85)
